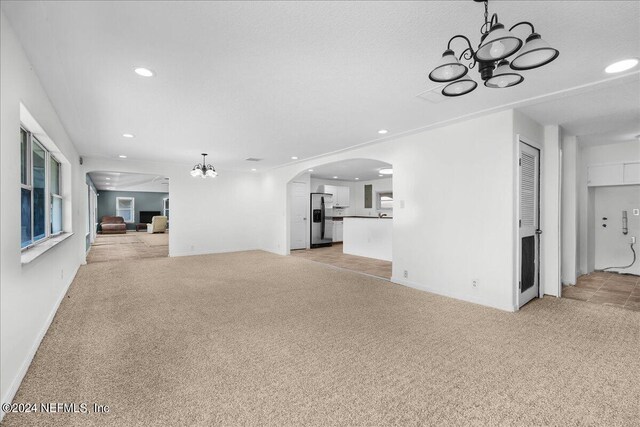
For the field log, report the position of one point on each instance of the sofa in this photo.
(158, 224)
(113, 225)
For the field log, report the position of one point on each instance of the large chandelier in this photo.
(496, 44)
(204, 170)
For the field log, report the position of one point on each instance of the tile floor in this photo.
(612, 289)
(133, 245)
(333, 255)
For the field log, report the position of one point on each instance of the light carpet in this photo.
(253, 338)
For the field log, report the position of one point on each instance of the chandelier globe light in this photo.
(203, 169)
(496, 44)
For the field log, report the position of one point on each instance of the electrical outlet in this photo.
(474, 283)
(633, 240)
(406, 274)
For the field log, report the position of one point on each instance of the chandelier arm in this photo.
(533, 30)
(469, 54)
(459, 36)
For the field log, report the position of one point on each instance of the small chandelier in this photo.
(496, 44)
(204, 170)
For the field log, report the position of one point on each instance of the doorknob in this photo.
(538, 231)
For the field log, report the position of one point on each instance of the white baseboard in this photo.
(446, 293)
(15, 384)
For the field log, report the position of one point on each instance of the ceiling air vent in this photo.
(433, 95)
(253, 159)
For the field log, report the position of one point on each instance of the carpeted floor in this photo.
(253, 338)
(132, 245)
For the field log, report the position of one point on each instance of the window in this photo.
(165, 208)
(125, 208)
(40, 201)
(385, 200)
(56, 198)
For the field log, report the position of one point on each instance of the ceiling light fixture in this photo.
(335, 177)
(203, 169)
(357, 179)
(620, 66)
(294, 157)
(380, 176)
(253, 170)
(383, 131)
(108, 179)
(386, 171)
(122, 156)
(128, 135)
(144, 72)
(496, 44)
(310, 170)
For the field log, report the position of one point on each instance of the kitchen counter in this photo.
(339, 218)
(367, 236)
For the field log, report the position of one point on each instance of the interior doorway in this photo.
(529, 223)
(131, 214)
(341, 214)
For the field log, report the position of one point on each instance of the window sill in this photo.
(34, 252)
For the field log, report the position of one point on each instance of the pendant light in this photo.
(535, 53)
(503, 76)
(459, 87)
(448, 68)
(496, 44)
(203, 169)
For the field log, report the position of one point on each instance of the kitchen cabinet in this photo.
(337, 231)
(340, 194)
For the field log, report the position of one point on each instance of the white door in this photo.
(529, 221)
(299, 208)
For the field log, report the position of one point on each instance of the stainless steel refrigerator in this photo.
(321, 219)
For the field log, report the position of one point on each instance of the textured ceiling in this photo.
(279, 79)
(349, 170)
(117, 181)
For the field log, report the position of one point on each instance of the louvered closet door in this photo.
(529, 182)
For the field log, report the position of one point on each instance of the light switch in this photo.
(636, 212)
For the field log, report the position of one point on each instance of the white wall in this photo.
(31, 293)
(207, 215)
(610, 153)
(569, 207)
(612, 248)
(457, 184)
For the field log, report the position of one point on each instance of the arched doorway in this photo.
(341, 214)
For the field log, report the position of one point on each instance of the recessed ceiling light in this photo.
(383, 131)
(144, 72)
(620, 66)
(122, 156)
(335, 177)
(386, 171)
(128, 135)
(108, 179)
(294, 157)
(253, 170)
(357, 179)
(380, 175)
(310, 170)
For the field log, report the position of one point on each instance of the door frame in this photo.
(516, 206)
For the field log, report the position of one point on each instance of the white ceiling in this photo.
(349, 170)
(608, 115)
(118, 181)
(279, 79)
